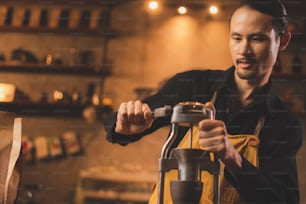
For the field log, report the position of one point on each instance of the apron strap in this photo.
(260, 124)
(214, 97)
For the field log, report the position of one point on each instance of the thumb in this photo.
(148, 115)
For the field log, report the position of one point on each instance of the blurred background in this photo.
(64, 66)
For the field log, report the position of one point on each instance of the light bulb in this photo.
(182, 10)
(153, 5)
(213, 9)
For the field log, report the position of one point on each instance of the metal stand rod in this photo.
(165, 155)
(216, 196)
(161, 188)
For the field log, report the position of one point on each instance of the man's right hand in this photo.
(133, 117)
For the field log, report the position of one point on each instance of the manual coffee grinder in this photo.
(189, 162)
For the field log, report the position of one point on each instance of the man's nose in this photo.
(244, 47)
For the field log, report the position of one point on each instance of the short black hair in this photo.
(274, 8)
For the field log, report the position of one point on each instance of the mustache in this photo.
(245, 60)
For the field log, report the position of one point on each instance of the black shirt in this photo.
(275, 181)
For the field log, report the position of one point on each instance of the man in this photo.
(245, 105)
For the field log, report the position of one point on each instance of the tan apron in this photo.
(246, 145)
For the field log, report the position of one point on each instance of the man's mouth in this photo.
(245, 62)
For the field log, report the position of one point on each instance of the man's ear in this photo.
(284, 40)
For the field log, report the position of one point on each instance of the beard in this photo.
(247, 74)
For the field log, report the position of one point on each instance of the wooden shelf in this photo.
(110, 34)
(103, 195)
(117, 185)
(67, 2)
(51, 109)
(56, 17)
(119, 176)
(63, 31)
(60, 109)
(54, 69)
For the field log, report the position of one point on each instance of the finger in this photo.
(138, 112)
(148, 115)
(210, 141)
(217, 149)
(121, 118)
(122, 112)
(130, 110)
(138, 107)
(211, 128)
(206, 144)
(208, 124)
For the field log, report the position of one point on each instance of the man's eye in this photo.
(258, 39)
(236, 39)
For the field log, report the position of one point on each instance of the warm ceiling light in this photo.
(153, 5)
(182, 10)
(213, 9)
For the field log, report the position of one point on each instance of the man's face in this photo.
(254, 44)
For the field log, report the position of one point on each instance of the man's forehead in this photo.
(245, 18)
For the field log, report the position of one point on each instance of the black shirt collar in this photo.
(265, 97)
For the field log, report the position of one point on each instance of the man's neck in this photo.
(246, 90)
